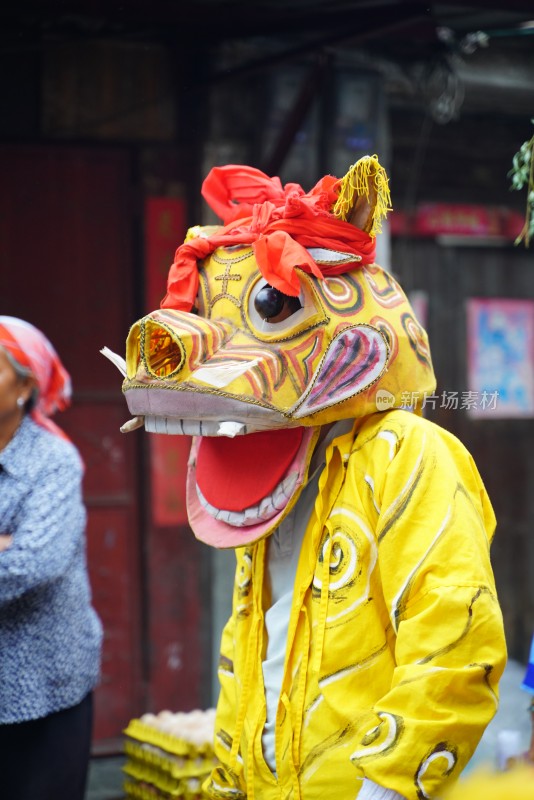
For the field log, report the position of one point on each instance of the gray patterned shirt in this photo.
(50, 636)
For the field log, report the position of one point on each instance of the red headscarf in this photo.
(31, 350)
(279, 222)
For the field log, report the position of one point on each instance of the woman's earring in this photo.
(20, 401)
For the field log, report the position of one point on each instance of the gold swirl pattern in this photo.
(388, 331)
(350, 559)
(303, 357)
(381, 738)
(417, 338)
(342, 295)
(244, 576)
(343, 561)
(442, 752)
(244, 584)
(385, 289)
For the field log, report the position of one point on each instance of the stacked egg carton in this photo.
(169, 755)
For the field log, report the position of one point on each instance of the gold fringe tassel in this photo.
(357, 183)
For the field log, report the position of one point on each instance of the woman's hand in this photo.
(5, 541)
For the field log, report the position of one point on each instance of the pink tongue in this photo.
(235, 474)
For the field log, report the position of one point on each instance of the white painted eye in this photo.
(272, 313)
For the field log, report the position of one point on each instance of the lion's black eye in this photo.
(274, 306)
(269, 302)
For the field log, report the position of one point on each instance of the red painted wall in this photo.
(67, 264)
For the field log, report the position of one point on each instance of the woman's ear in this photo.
(28, 389)
(364, 198)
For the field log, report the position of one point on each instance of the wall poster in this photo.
(500, 357)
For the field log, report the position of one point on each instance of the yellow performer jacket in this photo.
(395, 642)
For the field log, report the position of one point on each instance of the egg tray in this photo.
(142, 732)
(172, 766)
(142, 790)
(160, 762)
(154, 780)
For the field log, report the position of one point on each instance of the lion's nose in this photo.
(172, 344)
(163, 352)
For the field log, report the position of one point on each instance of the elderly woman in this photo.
(50, 636)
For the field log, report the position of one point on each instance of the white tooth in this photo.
(283, 491)
(169, 425)
(289, 484)
(251, 516)
(191, 427)
(279, 499)
(176, 426)
(119, 361)
(266, 508)
(234, 518)
(229, 428)
(151, 424)
(132, 424)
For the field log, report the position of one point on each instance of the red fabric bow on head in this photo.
(278, 222)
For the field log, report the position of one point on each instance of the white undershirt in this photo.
(283, 551)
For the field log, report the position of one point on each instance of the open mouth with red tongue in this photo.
(239, 489)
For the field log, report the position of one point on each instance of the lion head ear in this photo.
(364, 198)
